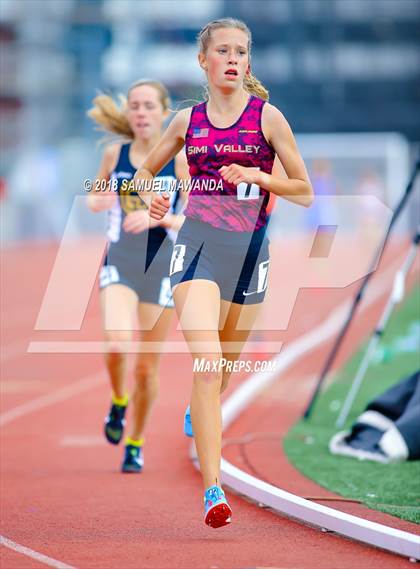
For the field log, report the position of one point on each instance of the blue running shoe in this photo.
(133, 459)
(188, 430)
(115, 423)
(217, 510)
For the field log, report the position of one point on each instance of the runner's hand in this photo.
(138, 221)
(235, 174)
(159, 206)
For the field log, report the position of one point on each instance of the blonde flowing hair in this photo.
(110, 115)
(251, 84)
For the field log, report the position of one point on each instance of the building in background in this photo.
(332, 66)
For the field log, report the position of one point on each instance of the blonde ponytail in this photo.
(110, 116)
(254, 87)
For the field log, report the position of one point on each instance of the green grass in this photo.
(391, 488)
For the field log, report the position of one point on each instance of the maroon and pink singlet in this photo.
(208, 148)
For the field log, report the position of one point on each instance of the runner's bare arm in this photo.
(102, 200)
(175, 220)
(165, 150)
(297, 188)
(182, 170)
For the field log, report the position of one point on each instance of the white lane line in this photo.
(82, 441)
(379, 535)
(51, 398)
(34, 554)
(81, 386)
(373, 533)
(258, 382)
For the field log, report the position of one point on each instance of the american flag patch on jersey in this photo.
(200, 132)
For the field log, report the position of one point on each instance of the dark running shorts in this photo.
(128, 268)
(237, 262)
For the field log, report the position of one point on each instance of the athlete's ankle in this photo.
(120, 401)
(134, 441)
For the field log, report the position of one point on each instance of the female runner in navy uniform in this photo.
(135, 276)
(220, 261)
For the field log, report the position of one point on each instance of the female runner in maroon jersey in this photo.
(220, 262)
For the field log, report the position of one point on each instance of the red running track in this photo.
(62, 493)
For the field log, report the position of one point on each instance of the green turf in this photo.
(391, 488)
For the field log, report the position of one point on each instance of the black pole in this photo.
(359, 295)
